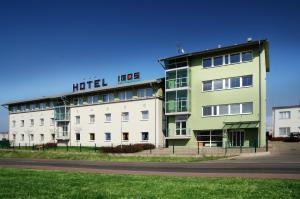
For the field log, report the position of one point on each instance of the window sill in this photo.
(107, 140)
(107, 121)
(227, 115)
(227, 89)
(144, 119)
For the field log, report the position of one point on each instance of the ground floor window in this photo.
(53, 136)
(211, 138)
(180, 122)
(284, 131)
(236, 138)
(125, 136)
(42, 137)
(22, 137)
(145, 136)
(31, 137)
(92, 136)
(107, 136)
(77, 136)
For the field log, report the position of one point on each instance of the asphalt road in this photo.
(282, 163)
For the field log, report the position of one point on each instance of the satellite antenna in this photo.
(180, 50)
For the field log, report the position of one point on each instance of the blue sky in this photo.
(46, 46)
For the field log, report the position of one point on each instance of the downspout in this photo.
(260, 113)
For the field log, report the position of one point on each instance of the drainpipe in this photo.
(260, 101)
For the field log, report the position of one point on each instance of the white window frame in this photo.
(123, 137)
(108, 133)
(90, 134)
(287, 131)
(106, 117)
(92, 118)
(145, 119)
(283, 113)
(77, 119)
(142, 136)
(42, 122)
(124, 119)
(229, 110)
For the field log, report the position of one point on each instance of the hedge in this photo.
(134, 148)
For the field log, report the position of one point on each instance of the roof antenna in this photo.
(180, 50)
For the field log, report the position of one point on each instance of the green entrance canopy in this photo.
(241, 125)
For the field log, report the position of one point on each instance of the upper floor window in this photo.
(228, 109)
(42, 106)
(125, 116)
(52, 121)
(145, 115)
(247, 80)
(14, 136)
(125, 95)
(14, 109)
(31, 122)
(80, 100)
(285, 115)
(235, 82)
(108, 117)
(32, 106)
(23, 108)
(51, 104)
(108, 97)
(92, 99)
(227, 59)
(42, 122)
(75, 101)
(14, 123)
(92, 119)
(22, 123)
(77, 119)
(207, 85)
(145, 92)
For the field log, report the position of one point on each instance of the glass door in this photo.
(236, 138)
(180, 127)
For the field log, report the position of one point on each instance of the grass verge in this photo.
(23, 184)
(96, 156)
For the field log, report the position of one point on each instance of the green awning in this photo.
(241, 125)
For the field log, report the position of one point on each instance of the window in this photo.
(207, 86)
(145, 136)
(92, 119)
(92, 99)
(22, 137)
(31, 137)
(14, 136)
(234, 82)
(32, 106)
(235, 58)
(77, 136)
(212, 138)
(128, 95)
(218, 61)
(42, 106)
(215, 110)
(141, 93)
(80, 100)
(14, 109)
(75, 101)
(52, 136)
(22, 123)
(223, 110)
(284, 131)
(107, 136)
(52, 121)
(218, 84)
(125, 136)
(77, 119)
(145, 115)
(92, 136)
(31, 122)
(180, 124)
(207, 62)
(247, 80)
(149, 92)
(108, 117)
(125, 116)
(246, 56)
(226, 59)
(51, 104)
(108, 97)
(14, 123)
(23, 108)
(235, 109)
(207, 111)
(42, 122)
(285, 115)
(42, 137)
(247, 107)
(122, 95)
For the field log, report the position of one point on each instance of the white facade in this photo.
(138, 118)
(286, 120)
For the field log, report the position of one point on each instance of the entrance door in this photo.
(236, 138)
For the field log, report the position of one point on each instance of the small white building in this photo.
(285, 120)
(3, 136)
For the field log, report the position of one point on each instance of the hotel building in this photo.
(211, 98)
(217, 97)
(127, 113)
(286, 120)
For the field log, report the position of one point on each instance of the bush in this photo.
(5, 144)
(127, 148)
(50, 145)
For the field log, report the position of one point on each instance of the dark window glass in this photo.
(218, 61)
(218, 84)
(207, 86)
(207, 62)
(226, 59)
(77, 136)
(215, 110)
(207, 110)
(234, 82)
(145, 136)
(247, 80)
(107, 136)
(235, 58)
(247, 56)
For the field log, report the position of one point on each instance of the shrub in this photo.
(50, 145)
(5, 144)
(127, 148)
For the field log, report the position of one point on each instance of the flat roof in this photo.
(226, 48)
(286, 107)
(106, 88)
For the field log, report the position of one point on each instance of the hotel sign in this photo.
(130, 77)
(97, 83)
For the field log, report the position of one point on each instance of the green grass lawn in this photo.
(91, 155)
(21, 183)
